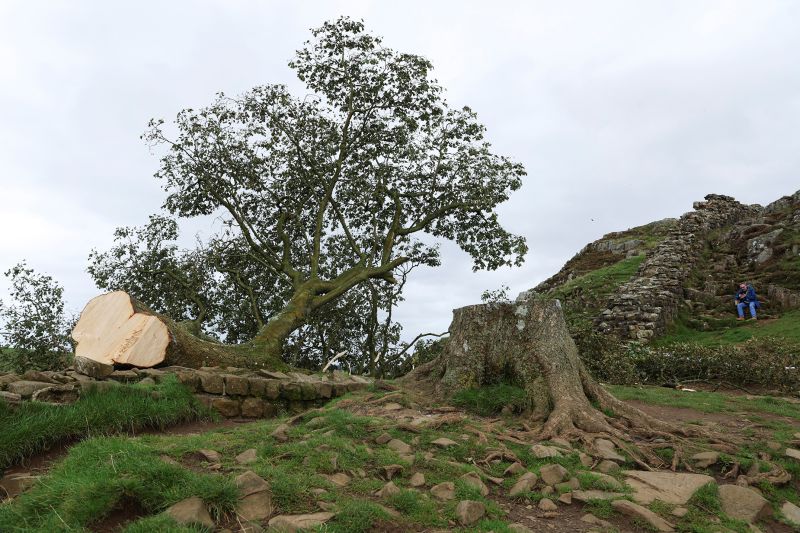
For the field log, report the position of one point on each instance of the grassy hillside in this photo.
(732, 331)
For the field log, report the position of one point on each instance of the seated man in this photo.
(746, 297)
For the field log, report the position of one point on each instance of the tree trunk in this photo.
(527, 343)
(114, 328)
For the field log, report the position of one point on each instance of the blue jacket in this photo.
(746, 296)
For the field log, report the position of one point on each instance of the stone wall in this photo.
(232, 392)
(644, 306)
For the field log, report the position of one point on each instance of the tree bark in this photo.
(115, 328)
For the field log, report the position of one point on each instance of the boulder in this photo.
(250, 483)
(605, 449)
(669, 487)
(247, 457)
(791, 512)
(26, 388)
(292, 523)
(468, 512)
(6, 379)
(444, 491)
(473, 480)
(705, 459)
(541, 451)
(552, 474)
(417, 480)
(191, 511)
(743, 503)
(61, 394)
(584, 496)
(546, 504)
(637, 511)
(388, 490)
(607, 466)
(524, 484)
(91, 368)
(257, 506)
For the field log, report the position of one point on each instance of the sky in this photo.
(622, 112)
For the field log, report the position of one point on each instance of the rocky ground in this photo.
(389, 460)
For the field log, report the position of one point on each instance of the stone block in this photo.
(211, 383)
(227, 407)
(236, 386)
(291, 391)
(189, 379)
(253, 407)
(308, 391)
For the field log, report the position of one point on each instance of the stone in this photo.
(388, 490)
(273, 374)
(584, 496)
(474, 480)
(566, 498)
(468, 512)
(791, 512)
(444, 442)
(291, 391)
(514, 469)
(236, 385)
(323, 389)
(124, 376)
(12, 485)
(26, 388)
(148, 381)
(293, 523)
(790, 452)
(605, 449)
(392, 406)
(637, 511)
(191, 511)
(444, 491)
(91, 368)
(61, 394)
(339, 479)
(210, 456)
(541, 451)
(743, 503)
(211, 383)
(10, 397)
(227, 407)
(669, 487)
(519, 528)
(585, 459)
(679, 512)
(592, 519)
(417, 480)
(389, 471)
(552, 474)
(247, 457)
(280, 433)
(253, 408)
(249, 483)
(383, 438)
(546, 504)
(705, 459)
(399, 446)
(256, 506)
(524, 484)
(608, 481)
(607, 466)
(547, 490)
(6, 379)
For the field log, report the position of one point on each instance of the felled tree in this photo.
(333, 189)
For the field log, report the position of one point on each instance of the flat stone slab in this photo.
(637, 511)
(791, 512)
(584, 496)
(743, 503)
(291, 523)
(669, 487)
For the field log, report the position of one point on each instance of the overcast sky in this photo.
(622, 113)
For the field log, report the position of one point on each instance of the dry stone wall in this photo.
(232, 392)
(644, 306)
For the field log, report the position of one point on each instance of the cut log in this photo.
(115, 328)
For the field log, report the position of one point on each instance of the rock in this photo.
(27, 388)
(566, 498)
(390, 471)
(592, 519)
(563, 443)
(226, 406)
(468, 512)
(585, 460)
(210, 456)
(607, 466)
(519, 528)
(444, 491)
(669, 487)
(191, 511)
(12, 485)
(253, 408)
(281, 433)
(444, 442)
(91, 368)
(547, 490)
(609, 481)
(340, 479)
(10, 397)
(552, 474)
(247, 457)
(388, 490)
(392, 406)
(250, 483)
(546, 504)
(147, 381)
(605, 449)
(541, 451)
(6, 379)
(514, 469)
(383, 438)
(61, 394)
(257, 506)
(743, 503)
(637, 511)
(293, 523)
(399, 446)
(417, 480)
(680, 512)
(791, 512)
(524, 484)
(584, 496)
(124, 376)
(705, 459)
(790, 452)
(474, 480)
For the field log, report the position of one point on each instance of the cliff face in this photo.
(635, 283)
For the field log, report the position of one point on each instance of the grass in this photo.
(35, 427)
(603, 281)
(731, 331)
(490, 400)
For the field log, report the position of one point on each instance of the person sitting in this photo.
(746, 297)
